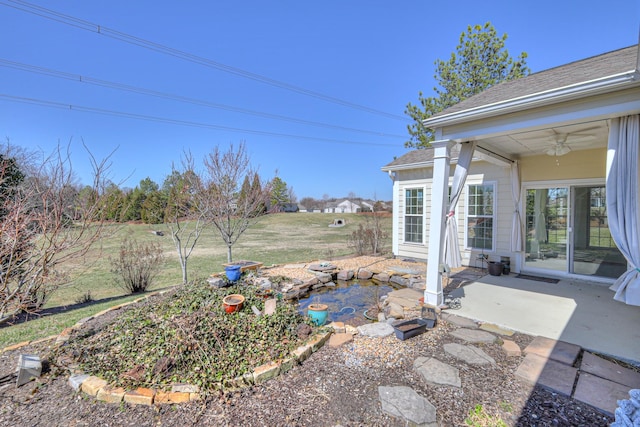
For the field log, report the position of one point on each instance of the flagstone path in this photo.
(556, 365)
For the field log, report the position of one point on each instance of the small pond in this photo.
(347, 301)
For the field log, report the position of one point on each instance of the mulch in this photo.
(335, 386)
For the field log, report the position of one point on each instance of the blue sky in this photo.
(364, 53)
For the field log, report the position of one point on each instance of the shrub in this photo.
(137, 265)
(368, 238)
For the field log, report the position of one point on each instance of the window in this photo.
(413, 215)
(480, 216)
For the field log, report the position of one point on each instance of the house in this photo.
(288, 207)
(346, 206)
(523, 172)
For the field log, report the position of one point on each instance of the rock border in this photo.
(180, 393)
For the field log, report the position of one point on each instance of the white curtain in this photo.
(516, 227)
(451, 248)
(623, 208)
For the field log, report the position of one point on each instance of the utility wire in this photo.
(60, 105)
(123, 87)
(137, 41)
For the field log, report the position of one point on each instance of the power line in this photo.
(123, 87)
(137, 41)
(60, 105)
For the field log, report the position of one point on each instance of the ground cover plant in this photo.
(188, 338)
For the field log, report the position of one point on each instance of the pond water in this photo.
(347, 301)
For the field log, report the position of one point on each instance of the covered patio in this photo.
(568, 208)
(572, 310)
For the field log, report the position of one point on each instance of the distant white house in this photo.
(345, 206)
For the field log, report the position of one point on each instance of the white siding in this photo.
(480, 172)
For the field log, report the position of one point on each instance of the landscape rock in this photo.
(263, 283)
(364, 274)
(393, 309)
(474, 336)
(270, 306)
(381, 277)
(418, 283)
(76, 380)
(323, 277)
(436, 372)
(511, 349)
(339, 339)
(399, 280)
(310, 282)
(322, 267)
(376, 329)
(345, 275)
(470, 354)
(217, 282)
(404, 403)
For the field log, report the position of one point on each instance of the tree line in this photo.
(46, 219)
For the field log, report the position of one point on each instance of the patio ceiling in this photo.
(576, 137)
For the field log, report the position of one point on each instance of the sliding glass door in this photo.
(594, 251)
(567, 231)
(547, 228)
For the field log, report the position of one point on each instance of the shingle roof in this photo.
(607, 64)
(423, 155)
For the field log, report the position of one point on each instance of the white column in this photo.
(396, 214)
(439, 204)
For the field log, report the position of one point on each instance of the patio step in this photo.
(596, 381)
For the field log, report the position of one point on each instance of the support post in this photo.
(396, 218)
(439, 203)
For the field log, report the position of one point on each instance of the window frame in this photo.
(468, 216)
(420, 215)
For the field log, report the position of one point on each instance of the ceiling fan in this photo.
(561, 148)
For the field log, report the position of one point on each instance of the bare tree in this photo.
(43, 225)
(184, 216)
(378, 235)
(225, 205)
(291, 195)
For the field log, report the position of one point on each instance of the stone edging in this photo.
(180, 393)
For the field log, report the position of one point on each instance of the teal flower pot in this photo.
(318, 313)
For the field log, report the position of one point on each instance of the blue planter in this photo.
(233, 272)
(318, 313)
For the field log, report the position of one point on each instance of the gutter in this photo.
(566, 93)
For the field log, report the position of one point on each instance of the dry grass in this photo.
(275, 239)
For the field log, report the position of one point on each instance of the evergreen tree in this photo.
(279, 192)
(481, 61)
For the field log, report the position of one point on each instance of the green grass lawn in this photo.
(275, 239)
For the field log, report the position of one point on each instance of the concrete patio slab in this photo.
(559, 351)
(547, 373)
(606, 369)
(575, 311)
(600, 393)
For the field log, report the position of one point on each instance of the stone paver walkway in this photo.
(591, 379)
(559, 366)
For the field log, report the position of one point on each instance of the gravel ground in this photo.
(334, 387)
